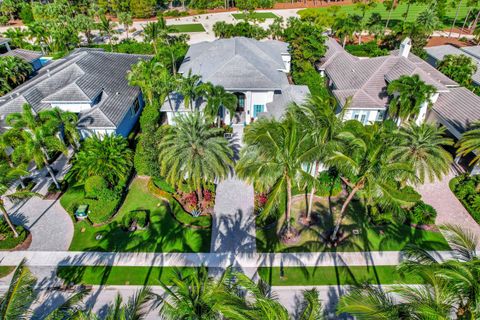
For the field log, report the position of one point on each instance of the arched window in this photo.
(240, 101)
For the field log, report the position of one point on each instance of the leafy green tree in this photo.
(195, 152)
(145, 74)
(9, 8)
(217, 98)
(108, 157)
(364, 163)
(470, 142)
(428, 19)
(409, 94)
(13, 71)
(318, 120)
(460, 68)
(125, 18)
(344, 28)
(423, 146)
(18, 37)
(142, 8)
(273, 161)
(188, 86)
(107, 29)
(67, 122)
(38, 139)
(85, 24)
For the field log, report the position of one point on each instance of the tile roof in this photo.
(91, 76)
(365, 80)
(458, 108)
(27, 55)
(281, 100)
(439, 52)
(238, 63)
(4, 40)
(472, 50)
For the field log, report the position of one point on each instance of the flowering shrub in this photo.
(207, 195)
(191, 200)
(260, 200)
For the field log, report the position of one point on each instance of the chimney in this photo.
(405, 47)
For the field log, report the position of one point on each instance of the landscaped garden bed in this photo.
(342, 275)
(162, 232)
(467, 189)
(9, 242)
(102, 275)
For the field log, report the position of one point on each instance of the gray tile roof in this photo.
(83, 76)
(458, 108)
(4, 40)
(27, 55)
(437, 53)
(238, 63)
(365, 80)
(281, 100)
(472, 50)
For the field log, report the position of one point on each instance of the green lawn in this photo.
(391, 237)
(101, 275)
(255, 15)
(164, 234)
(318, 276)
(397, 14)
(8, 240)
(189, 27)
(6, 270)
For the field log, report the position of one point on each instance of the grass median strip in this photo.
(318, 276)
(255, 15)
(106, 275)
(189, 27)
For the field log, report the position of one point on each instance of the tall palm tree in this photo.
(217, 98)
(319, 120)
(38, 138)
(135, 308)
(409, 94)
(13, 71)
(108, 156)
(470, 143)
(125, 18)
(188, 87)
(67, 122)
(195, 152)
(17, 37)
(147, 75)
(274, 159)
(363, 161)
(423, 146)
(107, 28)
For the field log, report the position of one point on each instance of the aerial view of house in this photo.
(236, 160)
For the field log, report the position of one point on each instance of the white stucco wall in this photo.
(72, 107)
(370, 115)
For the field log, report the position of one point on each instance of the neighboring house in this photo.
(88, 82)
(436, 55)
(255, 71)
(363, 82)
(32, 57)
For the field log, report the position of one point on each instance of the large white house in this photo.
(255, 71)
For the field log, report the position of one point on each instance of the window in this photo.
(136, 107)
(380, 115)
(258, 108)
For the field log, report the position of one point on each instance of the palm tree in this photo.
(17, 37)
(188, 87)
(107, 28)
(125, 18)
(319, 120)
(428, 19)
(146, 75)
(135, 308)
(470, 142)
(311, 308)
(13, 71)
(38, 138)
(390, 5)
(456, 17)
(273, 160)
(108, 156)
(67, 122)
(423, 146)
(195, 152)
(217, 98)
(409, 94)
(460, 68)
(364, 163)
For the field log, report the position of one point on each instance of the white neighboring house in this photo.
(255, 71)
(88, 82)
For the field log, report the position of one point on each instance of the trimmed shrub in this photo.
(139, 216)
(26, 14)
(467, 190)
(94, 185)
(422, 213)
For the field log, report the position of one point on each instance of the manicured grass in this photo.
(164, 233)
(391, 237)
(319, 276)
(102, 275)
(255, 15)
(189, 27)
(6, 270)
(8, 241)
(397, 14)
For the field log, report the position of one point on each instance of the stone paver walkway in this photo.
(449, 209)
(50, 225)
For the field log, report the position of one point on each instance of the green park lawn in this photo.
(102, 275)
(255, 15)
(397, 14)
(163, 234)
(189, 27)
(390, 237)
(323, 276)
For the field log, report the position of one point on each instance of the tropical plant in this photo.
(344, 28)
(364, 163)
(470, 142)
(274, 159)
(423, 147)
(37, 139)
(318, 120)
(428, 19)
(409, 95)
(460, 68)
(13, 71)
(108, 157)
(125, 18)
(217, 98)
(188, 86)
(107, 29)
(17, 37)
(195, 152)
(67, 122)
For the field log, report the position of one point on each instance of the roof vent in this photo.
(117, 93)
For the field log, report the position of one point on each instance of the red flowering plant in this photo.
(191, 201)
(260, 201)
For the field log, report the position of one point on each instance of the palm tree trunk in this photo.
(7, 219)
(474, 25)
(455, 19)
(389, 15)
(312, 194)
(52, 174)
(406, 13)
(342, 212)
(289, 206)
(344, 41)
(464, 23)
(126, 29)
